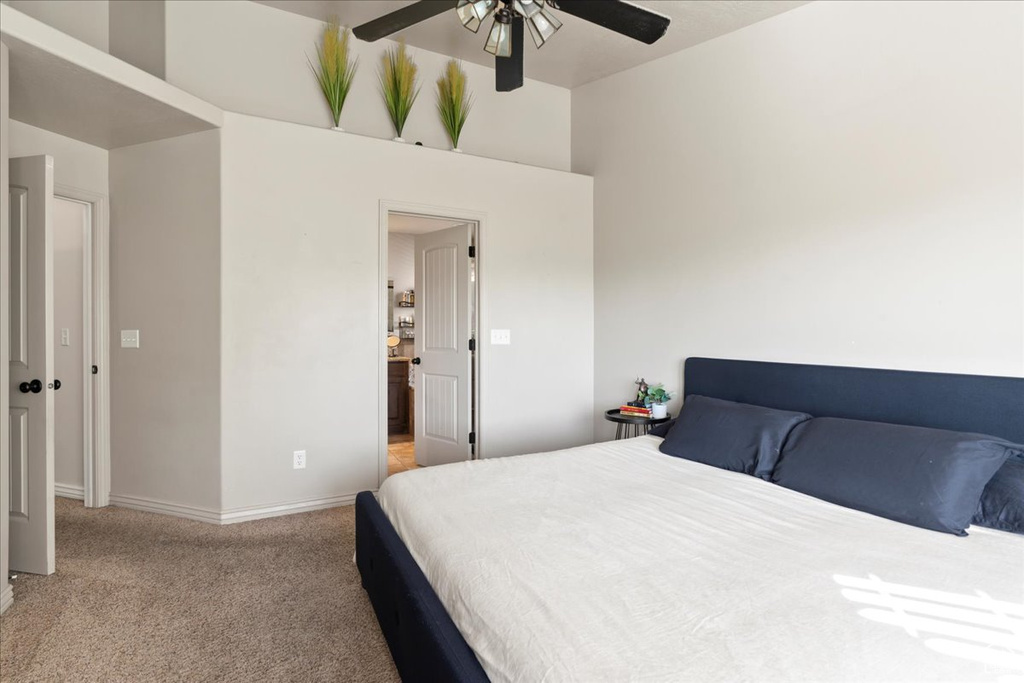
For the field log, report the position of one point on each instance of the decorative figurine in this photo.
(641, 393)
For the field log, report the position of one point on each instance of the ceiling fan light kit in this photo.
(499, 40)
(542, 25)
(472, 13)
(504, 40)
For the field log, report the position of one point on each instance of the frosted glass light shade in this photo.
(472, 13)
(542, 24)
(499, 41)
(528, 8)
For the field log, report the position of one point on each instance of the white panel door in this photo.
(32, 412)
(443, 374)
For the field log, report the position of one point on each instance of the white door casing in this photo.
(97, 348)
(32, 413)
(444, 374)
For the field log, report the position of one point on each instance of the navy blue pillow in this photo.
(662, 429)
(931, 478)
(1002, 503)
(733, 436)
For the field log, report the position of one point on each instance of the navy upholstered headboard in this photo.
(970, 403)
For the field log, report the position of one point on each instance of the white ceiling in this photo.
(580, 52)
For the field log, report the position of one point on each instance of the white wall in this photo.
(74, 163)
(138, 32)
(301, 291)
(252, 59)
(86, 20)
(165, 282)
(70, 220)
(839, 184)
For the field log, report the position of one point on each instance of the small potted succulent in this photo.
(658, 398)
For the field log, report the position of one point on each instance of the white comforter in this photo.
(614, 562)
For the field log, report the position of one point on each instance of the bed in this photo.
(616, 562)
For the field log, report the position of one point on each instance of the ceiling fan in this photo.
(513, 17)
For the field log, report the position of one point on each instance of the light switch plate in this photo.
(129, 339)
(65, 336)
(501, 337)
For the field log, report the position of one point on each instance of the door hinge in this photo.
(472, 251)
(472, 438)
(472, 344)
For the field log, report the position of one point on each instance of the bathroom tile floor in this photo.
(401, 453)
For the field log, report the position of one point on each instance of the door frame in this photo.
(388, 206)
(96, 351)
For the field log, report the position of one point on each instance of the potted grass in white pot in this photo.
(453, 101)
(398, 85)
(334, 70)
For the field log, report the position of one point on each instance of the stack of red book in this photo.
(634, 411)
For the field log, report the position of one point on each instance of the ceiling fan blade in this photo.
(508, 71)
(630, 20)
(394, 22)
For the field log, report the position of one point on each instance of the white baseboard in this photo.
(232, 516)
(69, 491)
(163, 508)
(6, 596)
(264, 511)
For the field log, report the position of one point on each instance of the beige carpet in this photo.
(145, 597)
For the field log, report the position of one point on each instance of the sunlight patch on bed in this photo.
(967, 626)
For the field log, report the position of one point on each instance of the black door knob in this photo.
(416, 361)
(56, 385)
(35, 386)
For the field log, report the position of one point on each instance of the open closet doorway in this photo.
(81, 345)
(431, 377)
(81, 453)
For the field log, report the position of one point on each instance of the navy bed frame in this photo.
(424, 641)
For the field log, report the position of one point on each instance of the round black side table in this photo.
(625, 424)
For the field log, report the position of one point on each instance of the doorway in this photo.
(430, 370)
(81, 352)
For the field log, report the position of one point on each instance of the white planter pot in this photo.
(338, 128)
(456, 150)
(397, 139)
(659, 411)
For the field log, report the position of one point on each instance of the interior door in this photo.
(443, 376)
(32, 380)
